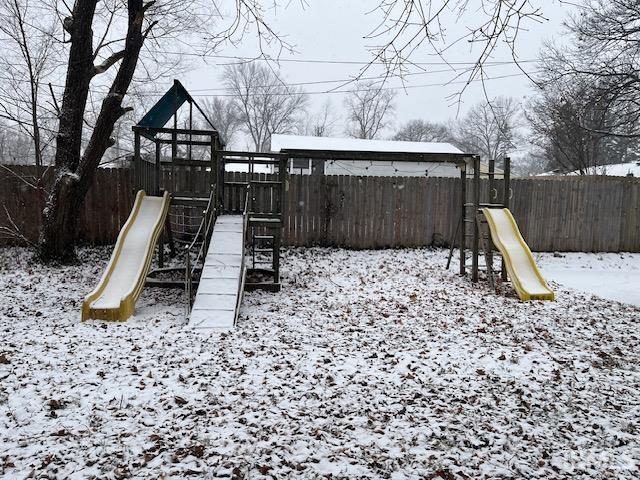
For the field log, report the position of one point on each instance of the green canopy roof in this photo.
(161, 112)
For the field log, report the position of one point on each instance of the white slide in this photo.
(521, 266)
(121, 284)
(222, 280)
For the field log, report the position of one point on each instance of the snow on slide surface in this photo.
(119, 288)
(521, 266)
(220, 289)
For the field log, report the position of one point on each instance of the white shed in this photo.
(332, 156)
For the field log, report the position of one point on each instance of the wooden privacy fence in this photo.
(554, 213)
(23, 195)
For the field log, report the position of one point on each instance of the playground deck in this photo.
(219, 291)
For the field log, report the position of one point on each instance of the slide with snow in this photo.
(222, 281)
(521, 266)
(115, 296)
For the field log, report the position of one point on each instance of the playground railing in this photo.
(245, 222)
(203, 236)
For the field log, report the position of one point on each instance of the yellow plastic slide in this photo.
(115, 296)
(521, 266)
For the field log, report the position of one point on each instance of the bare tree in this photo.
(225, 117)
(490, 129)
(30, 47)
(566, 123)
(369, 110)
(410, 28)
(604, 53)
(423, 131)
(108, 50)
(15, 145)
(322, 123)
(104, 44)
(266, 105)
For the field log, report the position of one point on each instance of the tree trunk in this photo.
(76, 173)
(60, 215)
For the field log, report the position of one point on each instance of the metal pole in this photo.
(476, 206)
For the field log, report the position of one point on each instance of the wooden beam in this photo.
(475, 246)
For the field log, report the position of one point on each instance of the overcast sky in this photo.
(335, 30)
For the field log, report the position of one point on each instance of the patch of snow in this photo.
(368, 364)
(615, 276)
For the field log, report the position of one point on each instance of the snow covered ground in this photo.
(615, 276)
(367, 365)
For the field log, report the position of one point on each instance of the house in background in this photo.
(363, 166)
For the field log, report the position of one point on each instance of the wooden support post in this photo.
(491, 176)
(158, 191)
(506, 202)
(488, 250)
(213, 173)
(507, 182)
(277, 240)
(157, 172)
(476, 207)
(221, 175)
(190, 128)
(463, 216)
(137, 167)
(174, 154)
(486, 247)
(161, 248)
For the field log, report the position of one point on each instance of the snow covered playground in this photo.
(367, 364)
(229, 355)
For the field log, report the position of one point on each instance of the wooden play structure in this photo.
(224, 227)
(486, 220)
(212, 219)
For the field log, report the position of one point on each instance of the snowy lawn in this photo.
(615, 276)
(366, 365)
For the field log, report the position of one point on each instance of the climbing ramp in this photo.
(221, 283)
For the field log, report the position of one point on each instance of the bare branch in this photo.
(109, 62)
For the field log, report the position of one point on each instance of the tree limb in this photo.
(108, 62)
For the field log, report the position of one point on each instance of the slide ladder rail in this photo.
(243, 267)
(203, 235)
